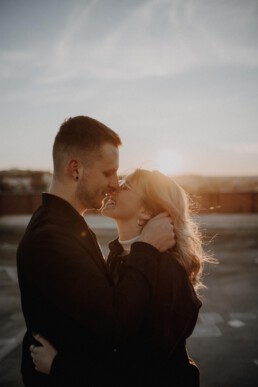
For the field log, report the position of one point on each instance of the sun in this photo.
(169, 162)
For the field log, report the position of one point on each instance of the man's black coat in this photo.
(68, 294)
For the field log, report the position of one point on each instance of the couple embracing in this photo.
(120, 321)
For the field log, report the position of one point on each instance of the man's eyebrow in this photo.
(113, 170)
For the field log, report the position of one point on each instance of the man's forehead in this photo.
(108, 150)
(108, 153)
(108, 157)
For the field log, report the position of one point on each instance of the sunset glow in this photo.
(176, 79)
(169, 162)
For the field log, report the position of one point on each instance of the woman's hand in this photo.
(43, 356)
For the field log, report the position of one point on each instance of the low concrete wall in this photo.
(227, 203)
(223, 203)
(14, 204)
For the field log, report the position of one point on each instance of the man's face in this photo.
(99, 178)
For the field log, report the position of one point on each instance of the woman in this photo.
(156, 355)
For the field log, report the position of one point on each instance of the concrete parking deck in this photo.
(225, 341)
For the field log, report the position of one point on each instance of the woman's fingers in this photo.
(34, 353)
(40, 339)
(33, 349)
(43, 354)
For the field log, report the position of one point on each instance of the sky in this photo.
(177, 79)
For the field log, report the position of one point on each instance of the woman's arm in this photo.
(43, 356)
(63, 369)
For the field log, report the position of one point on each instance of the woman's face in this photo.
(125, 204)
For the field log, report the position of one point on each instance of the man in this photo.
(67, 292)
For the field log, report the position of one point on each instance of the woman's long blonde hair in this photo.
(160, 193)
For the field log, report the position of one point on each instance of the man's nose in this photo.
(113, 184)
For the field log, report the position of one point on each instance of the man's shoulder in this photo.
(43, 220)
(45, 227)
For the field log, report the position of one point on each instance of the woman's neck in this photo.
(127, 230)
(126, 244)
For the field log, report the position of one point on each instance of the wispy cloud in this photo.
(12, 62)
(165, 73)
(250, 148)
(155, 39)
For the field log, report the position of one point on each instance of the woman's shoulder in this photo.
(173, 278)
(169, 262)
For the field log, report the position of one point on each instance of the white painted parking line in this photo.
(206, 325)
(237, 320)
(7, 345)
(8, 246)
(210, 318)
(236, 323)
(243, 316)
(202, 330)
(11, 271)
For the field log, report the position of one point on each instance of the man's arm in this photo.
(59, 267)
(159, 232)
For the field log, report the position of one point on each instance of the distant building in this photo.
(20, 181)
(20, 192)
(196, 184)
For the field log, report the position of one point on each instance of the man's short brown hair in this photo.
(79, 136)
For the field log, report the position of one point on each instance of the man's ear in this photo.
(73, 169)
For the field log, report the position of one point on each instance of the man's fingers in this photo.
(161, 215)
(33, 349)
(40, 339)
